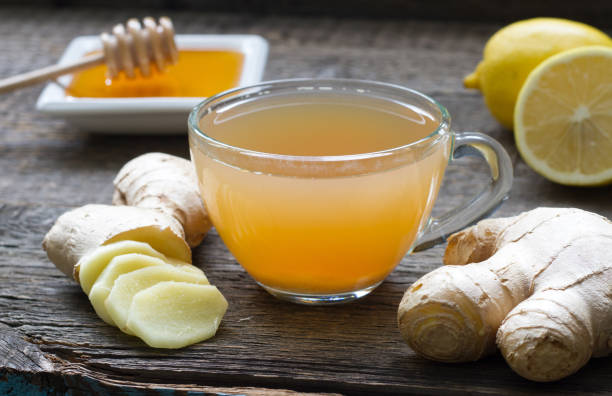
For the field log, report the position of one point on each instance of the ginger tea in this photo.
(320, 227)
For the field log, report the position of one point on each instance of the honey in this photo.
(198, 73)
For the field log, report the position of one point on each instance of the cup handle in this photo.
(485, 202)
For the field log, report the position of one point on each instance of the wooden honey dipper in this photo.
(130, 47)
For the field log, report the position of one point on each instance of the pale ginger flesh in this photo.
(126, 275)
(118, 266)
(171, 315)
(91, 266)
(126, 286)
(541, 291)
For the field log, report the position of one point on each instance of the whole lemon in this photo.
(515, 50)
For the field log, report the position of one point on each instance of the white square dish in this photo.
(149, 115)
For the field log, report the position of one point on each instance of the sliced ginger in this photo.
(91, 266)
(127, 285)
(186, 267)
(176, 314)
(118, 266)
(158, 217)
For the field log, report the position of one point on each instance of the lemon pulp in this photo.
(563, 117)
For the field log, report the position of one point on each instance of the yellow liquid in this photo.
(196, 74)
(327, 234)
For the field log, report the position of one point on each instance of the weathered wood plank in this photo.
(26, 370)
(470, 10)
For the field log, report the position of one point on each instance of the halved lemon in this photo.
(563, 117)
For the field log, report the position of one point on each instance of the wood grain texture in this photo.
(50, 335)
(591, 11)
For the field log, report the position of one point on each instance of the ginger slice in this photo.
(176, 314)
(127, 285)
(91, 266)
(118, 266)
(183, 266)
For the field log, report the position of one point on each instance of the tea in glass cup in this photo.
(320, 187)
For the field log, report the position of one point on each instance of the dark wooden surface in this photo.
(590, 11)
(50, 338)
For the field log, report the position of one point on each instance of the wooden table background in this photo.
(51, 340)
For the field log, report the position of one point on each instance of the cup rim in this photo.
(193, 121)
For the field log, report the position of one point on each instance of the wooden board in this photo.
(50, 338)
(590, 11)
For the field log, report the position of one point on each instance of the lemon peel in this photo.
(515, 50)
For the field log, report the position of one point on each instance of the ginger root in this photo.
(79, 231)
(168, 184)
(161, 215)
(539, 286)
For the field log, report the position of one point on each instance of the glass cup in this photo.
(329, 228)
